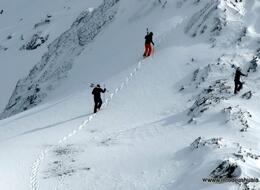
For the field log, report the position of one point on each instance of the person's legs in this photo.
(96, 106)
(146, 50)
(99, 104)
(149, 50)
(240, 86)
(236, 87)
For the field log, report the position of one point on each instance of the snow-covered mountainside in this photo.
(27, 27)
(170, 121)
(59, 59)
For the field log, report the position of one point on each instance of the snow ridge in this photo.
(211, 21)
(197, 22)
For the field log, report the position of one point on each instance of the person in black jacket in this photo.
(238, 83)
(97, 97)
(148, 41)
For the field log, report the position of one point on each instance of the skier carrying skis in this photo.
(148, 41)
(238, 83)
(97, 97)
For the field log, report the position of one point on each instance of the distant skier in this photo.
(238, 83)
(148, 41)
(97, 97)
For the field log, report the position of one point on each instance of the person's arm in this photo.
(152, 42)
(245, 75)
(103, 90)
(93, 91)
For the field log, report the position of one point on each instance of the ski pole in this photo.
(105, 92)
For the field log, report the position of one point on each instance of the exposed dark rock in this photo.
(2, 48)
(258, 53)
(236, 157)
(44, 22)
(248, 95)
(209, 97)
(181, 88)
(242, 154)
(226, 169)
(253, 64)
(202, 142)
(192, 120)
(163, 3)
(237, 117)
(202, 75)
(9, 37)
(35, 42)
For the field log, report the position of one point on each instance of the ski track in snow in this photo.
(37, 163)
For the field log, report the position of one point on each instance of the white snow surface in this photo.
(167, 121)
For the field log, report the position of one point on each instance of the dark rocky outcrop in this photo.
(35, 41)
(237, 117)
(226, 169)
(212, 95)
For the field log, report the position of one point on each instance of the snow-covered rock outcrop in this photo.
(217, 17)
(223, 161)
(217, 161)
(213, 79)
(238, 117)
(209, 97)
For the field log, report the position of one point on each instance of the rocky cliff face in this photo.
(55, 64)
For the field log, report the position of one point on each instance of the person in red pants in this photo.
(148, 44)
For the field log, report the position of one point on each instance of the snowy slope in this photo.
(168, 121)
(18, 21)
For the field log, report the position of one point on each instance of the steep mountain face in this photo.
(55, 64)
(215, 19)
(209, 19)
